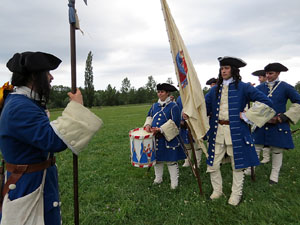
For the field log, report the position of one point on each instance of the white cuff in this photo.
(293, 113)
(76, 126)
(170, 130)
(260, 113)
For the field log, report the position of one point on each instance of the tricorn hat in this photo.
(277, 67)
(211, 80)
(28, 62)
(259, 73)
(165, 87)
(231, 61)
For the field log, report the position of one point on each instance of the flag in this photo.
(189, 86)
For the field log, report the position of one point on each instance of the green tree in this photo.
(125, 88)
(150, 88)
(88, 81)
(297, 86)
(111, 96)
(58, 96)
(125, 85)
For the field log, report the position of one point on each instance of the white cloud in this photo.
(129, 39)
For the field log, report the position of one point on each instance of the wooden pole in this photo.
(196, 171)
(73, 87)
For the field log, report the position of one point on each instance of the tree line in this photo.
(111, 96)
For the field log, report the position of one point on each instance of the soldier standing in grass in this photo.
(164, 120)
(276, 133)
(229, 132)
(28, 140)
(184, 136)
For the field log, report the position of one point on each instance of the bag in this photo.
(27, 210)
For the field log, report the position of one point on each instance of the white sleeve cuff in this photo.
(76, 126)
(170, 130)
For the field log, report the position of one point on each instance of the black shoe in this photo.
(272, 182)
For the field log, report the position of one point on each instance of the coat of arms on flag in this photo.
(182, 68)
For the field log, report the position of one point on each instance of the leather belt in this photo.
(18, 170)
(224, 122)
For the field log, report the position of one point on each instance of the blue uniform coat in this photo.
(26, 137)
(277, 135)
(167, 150)
(242, 142)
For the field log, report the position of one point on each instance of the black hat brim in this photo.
(28, 62)
(166, 87)
(231, 61)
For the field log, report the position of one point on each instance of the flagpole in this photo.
(73, 89)
(196, 172)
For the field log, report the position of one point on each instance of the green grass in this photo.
(112, 191)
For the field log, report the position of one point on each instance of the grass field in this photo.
(112, 191)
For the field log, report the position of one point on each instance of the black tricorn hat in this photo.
(276, 67)
(28, 62)
(165, 87)
(259, 73)
(211, 80)
(231, 61)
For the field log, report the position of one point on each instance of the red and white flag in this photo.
(189, 86)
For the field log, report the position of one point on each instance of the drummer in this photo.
(163, 120)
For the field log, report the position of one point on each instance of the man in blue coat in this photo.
(276, 133)
(28, 140)
(229, 132)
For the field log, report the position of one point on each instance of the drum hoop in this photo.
(150, 135)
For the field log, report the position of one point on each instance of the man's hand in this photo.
(282, 118)
(77, 97)
(274, 120)
(148, 128)
(155, 130)
(184, 116)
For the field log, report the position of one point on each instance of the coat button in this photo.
(286, 132)
(266, 128)
(211, 162)
(213, 150)
(174, 148)
(280, 129)
(12, 186)
(157, 123)
(160, 114)
(158, 118)
(247, 143)
(55, 204)
(212, 156)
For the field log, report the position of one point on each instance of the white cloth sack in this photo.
(27, 210)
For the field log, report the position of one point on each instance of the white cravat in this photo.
(167, 101)
(227, 82)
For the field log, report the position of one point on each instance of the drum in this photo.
(142, 148)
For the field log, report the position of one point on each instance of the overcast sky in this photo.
(128, 37)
